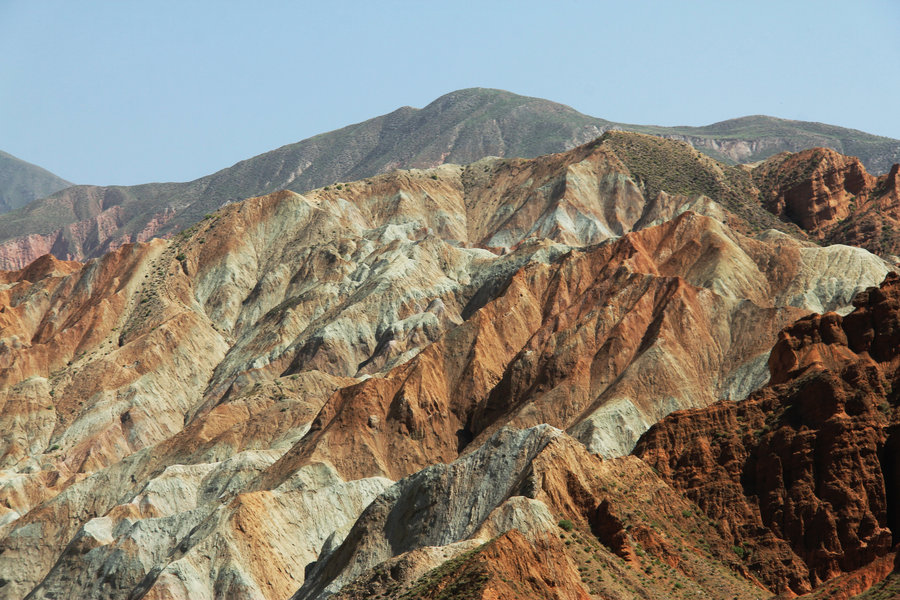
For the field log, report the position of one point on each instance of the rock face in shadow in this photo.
(803, 473)
(529, 514)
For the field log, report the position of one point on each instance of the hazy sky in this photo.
(130, 92)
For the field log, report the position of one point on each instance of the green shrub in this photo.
(566, 524)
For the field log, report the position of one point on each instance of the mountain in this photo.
(401, 386)
(460, 127)
(491, 521)
(22, 182)
(834, 198)
(755, 138)
(804, 475)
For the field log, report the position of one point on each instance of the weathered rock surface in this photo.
(553, 197)
(502, 496)
(191, 533)
(177, 415)
(571, 344)
(803, 473)
(879, 580)
(834, 198)
(813, 188)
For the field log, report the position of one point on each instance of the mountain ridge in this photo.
(22, 182)
(459, 127)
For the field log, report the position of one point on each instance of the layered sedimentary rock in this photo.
(814, 188)
(210, 414)
(86, 221)
(804, 473)
(834, 198)
(571, 344)
(546, 519)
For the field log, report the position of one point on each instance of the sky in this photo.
(133, 92)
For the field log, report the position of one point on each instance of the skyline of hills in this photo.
(22, 182)
(870, 148)
(85, 221)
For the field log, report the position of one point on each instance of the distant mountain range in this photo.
(755, 138)
(461, 127)
(21, 182)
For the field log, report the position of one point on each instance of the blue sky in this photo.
(129, 92)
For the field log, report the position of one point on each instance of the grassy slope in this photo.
(676, 168)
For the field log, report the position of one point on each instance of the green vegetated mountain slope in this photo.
(21, 182)
(460, 127)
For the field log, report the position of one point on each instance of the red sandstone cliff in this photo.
(834, 198)
(805, 473)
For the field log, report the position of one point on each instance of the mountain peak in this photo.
(22, 182)
(459, 127)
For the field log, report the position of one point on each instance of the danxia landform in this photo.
(623, 370)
